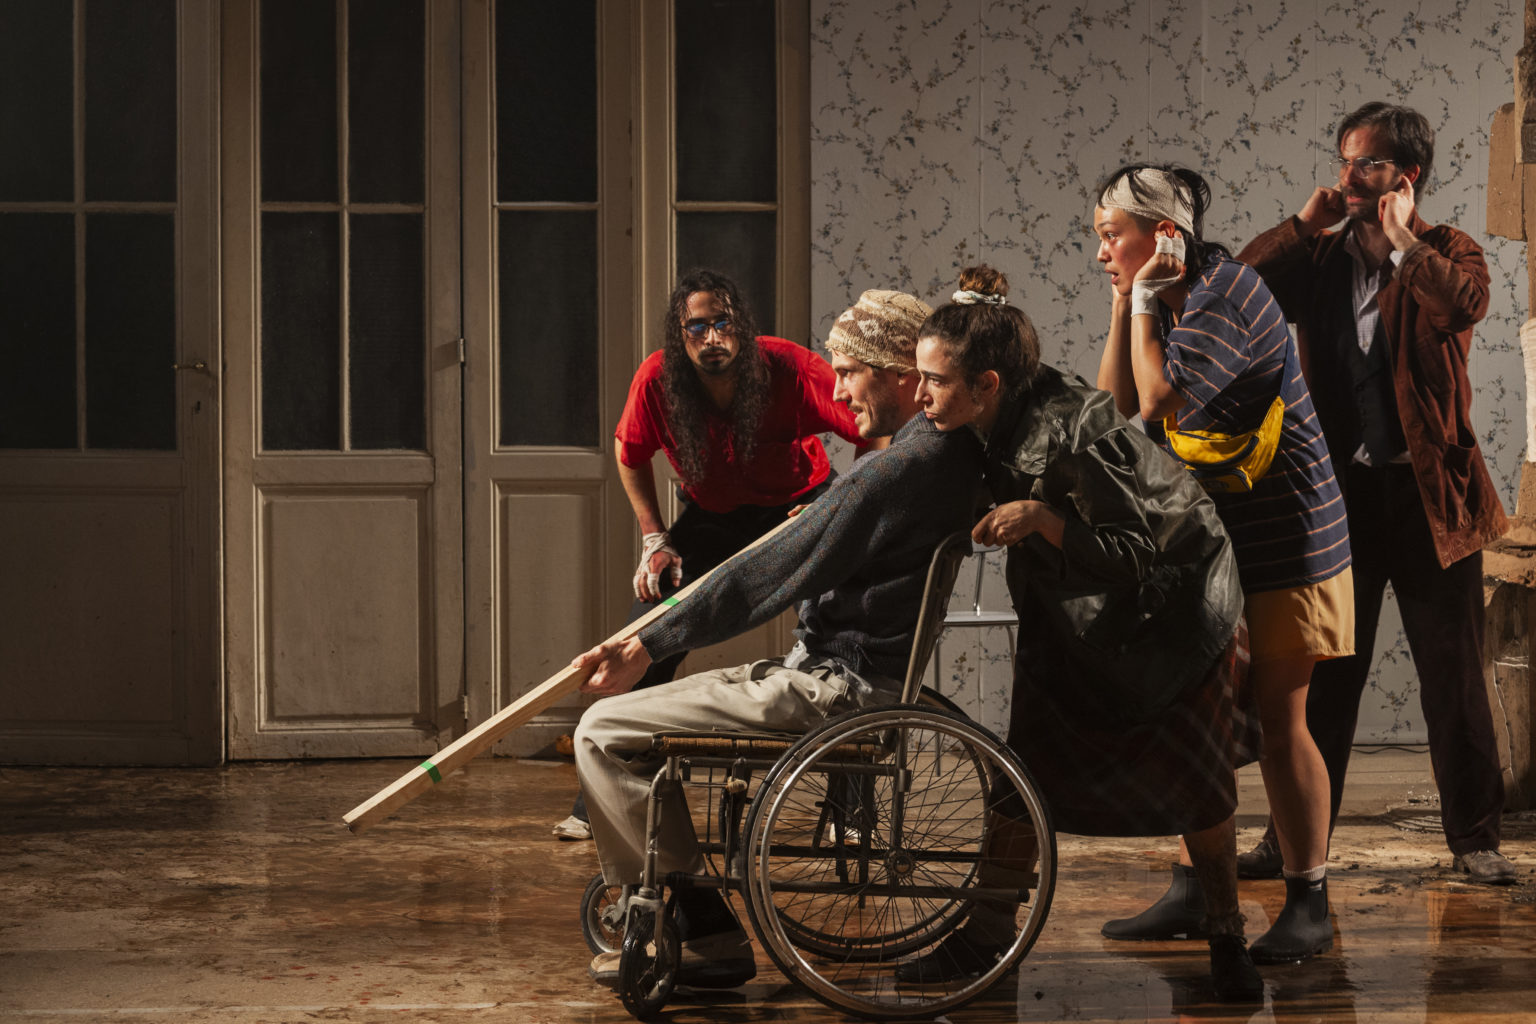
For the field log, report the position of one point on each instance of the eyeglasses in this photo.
(1362, 165)
(699, 328)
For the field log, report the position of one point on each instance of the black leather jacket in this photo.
(1143, 593)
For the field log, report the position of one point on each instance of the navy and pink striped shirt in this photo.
(1229, 355)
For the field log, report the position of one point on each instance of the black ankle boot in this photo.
(1263, 861)
(1176, 915)
(958, 956)
(1233, 975)
(1303, 928)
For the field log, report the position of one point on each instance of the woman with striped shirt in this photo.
(1198, 344)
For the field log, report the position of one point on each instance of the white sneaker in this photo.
(723, 960)
(851, 836)
(604, 968)
(572, 828)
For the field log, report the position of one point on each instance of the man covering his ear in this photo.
(1384, 307)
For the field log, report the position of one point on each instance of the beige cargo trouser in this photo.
(614, 738)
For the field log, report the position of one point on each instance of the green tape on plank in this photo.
(669, 602)
(431, 769)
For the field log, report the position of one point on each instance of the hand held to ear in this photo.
(1324, 209)
(1164, 270)
(1395, 211)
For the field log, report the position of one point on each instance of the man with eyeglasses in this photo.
(738, 417)
(1384, 308)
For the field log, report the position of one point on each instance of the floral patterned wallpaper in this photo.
(951, 132)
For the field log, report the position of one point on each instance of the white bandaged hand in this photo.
(1144, 293)
(647, 583)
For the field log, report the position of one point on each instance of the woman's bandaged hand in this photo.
(1167, 264)
(648, 582)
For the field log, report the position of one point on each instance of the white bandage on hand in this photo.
(652, 543)
(1144, 293)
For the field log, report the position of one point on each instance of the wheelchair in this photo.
(855, 848)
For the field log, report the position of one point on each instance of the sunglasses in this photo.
(699, 328)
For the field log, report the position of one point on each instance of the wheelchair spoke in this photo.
(859, 863)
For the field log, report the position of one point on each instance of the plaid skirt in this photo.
(1169, 776)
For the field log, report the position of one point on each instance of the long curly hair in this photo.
(688, 403)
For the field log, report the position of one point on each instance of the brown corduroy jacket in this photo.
(1428, 309)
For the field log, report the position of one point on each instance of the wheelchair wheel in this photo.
(648, 962)
(602, 916)
(852, 862)
(940, 790)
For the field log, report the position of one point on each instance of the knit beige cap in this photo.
(881, 329)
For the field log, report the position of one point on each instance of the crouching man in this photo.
(857, 558)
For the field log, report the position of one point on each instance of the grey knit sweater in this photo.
(857, 557)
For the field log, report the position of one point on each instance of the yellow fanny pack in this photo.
(1228, 463)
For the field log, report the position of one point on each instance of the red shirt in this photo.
(788, 459)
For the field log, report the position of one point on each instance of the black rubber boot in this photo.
(1302, 930)
(1233, 975)
(1177, 915)
(958, 956)
(1263, 861)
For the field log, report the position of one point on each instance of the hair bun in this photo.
(984, 280)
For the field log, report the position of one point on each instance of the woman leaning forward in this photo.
(1130, 643)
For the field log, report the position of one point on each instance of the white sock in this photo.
(1313, 875)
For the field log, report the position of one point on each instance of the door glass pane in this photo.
(37, 99)
(386, 86)
(130, 331)
(546, 101)
(547, 344)
(727, 101)
(387, 356)
(130, 100)
(300, 331)
(298, 101)
(742, 245)
(37, 330)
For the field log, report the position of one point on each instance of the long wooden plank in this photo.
(464, 749)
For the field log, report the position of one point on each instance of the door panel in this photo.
(342, 608)
(342, 475)
(109, 439)
(566, 274)
(550, 338)
(90, 557)
(549, 577)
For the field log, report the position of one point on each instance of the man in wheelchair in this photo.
(857, 558)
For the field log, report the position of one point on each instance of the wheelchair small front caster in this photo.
(648, 962)
(602, 916)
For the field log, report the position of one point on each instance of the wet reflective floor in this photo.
(236, 895)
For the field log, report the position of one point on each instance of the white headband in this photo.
(965, 297)
(1161, 198)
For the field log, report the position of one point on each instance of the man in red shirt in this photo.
(737, 416)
